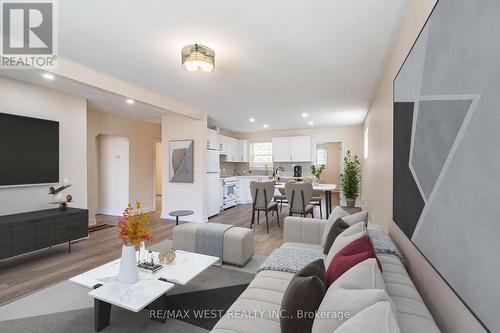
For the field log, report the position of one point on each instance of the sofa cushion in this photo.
(337, 228)
(347, 236)
(377, 318)
(303, 295)
(356, 218)
(336, 213)
(356, 252)
(342, 304)
(316, 268)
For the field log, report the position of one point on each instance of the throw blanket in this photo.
(209, 240)
(290, 259)
(383, 244)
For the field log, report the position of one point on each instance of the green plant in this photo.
(349, 180)
(316, 171)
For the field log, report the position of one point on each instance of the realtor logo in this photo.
(28, 34)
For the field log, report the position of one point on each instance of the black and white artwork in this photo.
(447, 152)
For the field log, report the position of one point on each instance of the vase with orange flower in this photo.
(134, 229)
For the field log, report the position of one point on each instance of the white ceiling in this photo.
(274, 59)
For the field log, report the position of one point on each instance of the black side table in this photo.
(178, 213)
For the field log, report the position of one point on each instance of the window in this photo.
(365, 144)
(261, 153)
(321, 156)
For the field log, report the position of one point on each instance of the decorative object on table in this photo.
(316, 172)
(167, 256)
(149, 265)
(133, 228)
(349, 180)
(181, 161)
(57, 195)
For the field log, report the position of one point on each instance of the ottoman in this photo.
(238, 244)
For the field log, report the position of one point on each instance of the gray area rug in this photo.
(66, 307)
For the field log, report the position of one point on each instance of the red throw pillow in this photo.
(354, 253)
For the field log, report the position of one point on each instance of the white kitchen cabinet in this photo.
(292, 149)
(300, 148)
(245, 195)
(232, 150)
(281, 149)
(222, 140)
(212, 139)
(243, 151)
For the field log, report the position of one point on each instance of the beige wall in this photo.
(181, 196)
(141, 136)
(449, 312)
(29, 100)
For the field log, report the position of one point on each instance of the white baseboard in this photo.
(110, 212)
(92, 221)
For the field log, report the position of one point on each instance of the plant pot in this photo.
(129, 272)
(350, 202)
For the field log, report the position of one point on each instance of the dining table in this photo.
(325, 188)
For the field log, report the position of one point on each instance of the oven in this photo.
(231, 192)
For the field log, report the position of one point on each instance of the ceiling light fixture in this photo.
(304, 115)
(196, 58)
(48, 76)
(265, 126)
(311, 122)
(130, 101)
(251, 120)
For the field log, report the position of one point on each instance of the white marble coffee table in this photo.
(148, 292)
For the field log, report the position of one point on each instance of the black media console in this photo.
(26, 232)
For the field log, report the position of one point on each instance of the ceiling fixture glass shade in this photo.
(197, 57)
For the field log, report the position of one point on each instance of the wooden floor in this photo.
(28, 273)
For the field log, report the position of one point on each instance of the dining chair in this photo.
(299, 196)
(316, 201)
(262, 195)
(281, 198)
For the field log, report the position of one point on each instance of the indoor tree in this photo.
(349, 180)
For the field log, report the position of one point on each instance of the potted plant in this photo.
(133, 230)
(316, 172)
(349, 180)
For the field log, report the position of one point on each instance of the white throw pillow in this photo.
(356, 217)
(336, 213)
(339, 305)
(365, 275)
(347, 236)
(378, 318)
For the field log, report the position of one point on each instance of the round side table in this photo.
(178, 213)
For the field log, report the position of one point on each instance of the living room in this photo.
(208, 166)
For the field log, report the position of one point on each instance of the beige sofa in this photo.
(266, 291)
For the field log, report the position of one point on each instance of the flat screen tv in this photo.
(29, 150)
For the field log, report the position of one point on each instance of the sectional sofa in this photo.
(257, 306)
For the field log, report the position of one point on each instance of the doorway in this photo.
(330, 154)
(158, 177)
(113, 169)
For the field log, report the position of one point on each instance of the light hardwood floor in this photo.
(28, 273)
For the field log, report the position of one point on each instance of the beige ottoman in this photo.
(238, 242)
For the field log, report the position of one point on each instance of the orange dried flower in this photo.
(134, 227)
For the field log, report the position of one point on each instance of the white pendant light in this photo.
(197, 58)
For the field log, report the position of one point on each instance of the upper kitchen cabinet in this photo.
(292, 149)
(212, 139)
(300, 148)
(243, 151)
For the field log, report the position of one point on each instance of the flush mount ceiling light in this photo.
(251, 120)
(196, 58)
(311, 122)
(130, 101)
(265, 126)
(304, 115)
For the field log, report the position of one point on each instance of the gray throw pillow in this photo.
(337, 228)
(300, 302)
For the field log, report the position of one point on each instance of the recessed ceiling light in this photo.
(304, 115)
(251, 120)
(311, 122)
(130, 101)
(48, 76)
(265, 126)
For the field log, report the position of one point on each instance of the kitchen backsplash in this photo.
(232, 168)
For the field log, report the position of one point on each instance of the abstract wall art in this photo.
(181, 161)
(447, 152)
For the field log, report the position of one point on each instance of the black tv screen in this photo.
(29, 150)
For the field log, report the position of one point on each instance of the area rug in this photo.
(66, 307)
